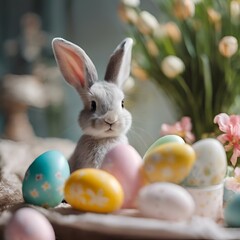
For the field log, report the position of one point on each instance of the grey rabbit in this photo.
(103, 120)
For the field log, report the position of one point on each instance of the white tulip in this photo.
(172, 66)
(228, 46)
(147, 22)
(235, 10)
(131, 3)
(184, 9)
(127, 14)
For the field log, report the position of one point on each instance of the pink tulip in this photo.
(182, 128)
(230, 126)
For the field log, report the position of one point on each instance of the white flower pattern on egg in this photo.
(76, 190)
(46, 186)
(97, 198)
(166, 172)
(34, 193)
(58, 175)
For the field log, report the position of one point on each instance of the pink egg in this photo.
(124, 163)
(28, 224)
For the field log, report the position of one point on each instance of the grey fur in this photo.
(108, 125)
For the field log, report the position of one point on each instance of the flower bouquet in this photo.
(190, 51)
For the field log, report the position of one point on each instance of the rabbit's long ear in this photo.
(119, 65)
(75, 65)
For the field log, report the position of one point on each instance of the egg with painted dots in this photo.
(93, 190)
(45, 178)
(210, 166)
(170, 162)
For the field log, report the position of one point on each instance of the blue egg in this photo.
(232, 211)
(44, 180)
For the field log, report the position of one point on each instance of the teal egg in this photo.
(163, 140)
(232, 212)
(44, 180)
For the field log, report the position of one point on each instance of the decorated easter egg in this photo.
(28, 224)
(93, 190)
(232, 212)
(165, 139)
(124, 163)
(44, 180)
(210, 166)
(166, 201)
(170, 162)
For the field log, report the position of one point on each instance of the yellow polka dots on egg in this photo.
(215, 179)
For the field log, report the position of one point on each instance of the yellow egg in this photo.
(170, 162)
(93, 190)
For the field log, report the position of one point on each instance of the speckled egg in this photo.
(210, 166)
(232, 212)
(28, 224)
(44, 180)
(93, 190)
(124, 163)
(165, 139)
(166, 201)
(170, 162)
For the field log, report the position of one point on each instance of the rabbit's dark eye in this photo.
(122, 103)
(93, 106)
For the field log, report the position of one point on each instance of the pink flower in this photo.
(182, 128)
(233, 183)
(230, 126)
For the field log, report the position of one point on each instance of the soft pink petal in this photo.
(186, 124)
(189, 137)
(167, 129)
(234, 157)
(222, 120)
(236, 131)
(234, 119)
(182, 128)
(237, 172)
(223, 138)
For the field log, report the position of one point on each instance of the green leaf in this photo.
(208, 86)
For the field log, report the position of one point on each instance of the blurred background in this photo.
(34, 98)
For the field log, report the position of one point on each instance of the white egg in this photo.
(210, 166)
(28, 224)
(166, 201)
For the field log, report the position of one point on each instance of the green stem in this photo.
(208, 91)
(192, 105)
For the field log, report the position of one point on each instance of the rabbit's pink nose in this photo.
(111, 118)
